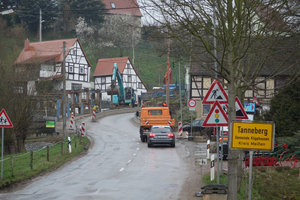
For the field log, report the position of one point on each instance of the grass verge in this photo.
(274, 183)
(17, 167)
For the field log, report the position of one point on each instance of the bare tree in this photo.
(241, 37)
(13, 98)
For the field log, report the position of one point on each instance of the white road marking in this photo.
(128, 161)
(125, 134)
(121, 169)
(137, 149)
(134, 154)
(133, 138)
(97, 191)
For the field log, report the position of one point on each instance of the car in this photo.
(197, 127)
(160, 134)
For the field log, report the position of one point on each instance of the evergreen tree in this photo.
(92, 11)
(29, 12)
(285, 108)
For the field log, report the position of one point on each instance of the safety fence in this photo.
(22, 166)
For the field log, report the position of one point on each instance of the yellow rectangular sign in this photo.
(247, 135)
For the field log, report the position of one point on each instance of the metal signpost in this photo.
(4, 123)
(192, 103)
(250, 135)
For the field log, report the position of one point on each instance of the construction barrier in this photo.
(82, 128)
(179, 129)
(94, 115)
(186, 134)
(72, 123)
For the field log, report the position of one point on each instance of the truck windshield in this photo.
(155, 112)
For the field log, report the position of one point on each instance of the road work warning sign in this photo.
(246, 135)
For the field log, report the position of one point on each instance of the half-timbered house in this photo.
(104, 71)
(47, 59)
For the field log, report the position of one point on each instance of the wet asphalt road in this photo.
(118, 166)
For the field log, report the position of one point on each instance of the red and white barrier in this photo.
(82, 128)
(186, 134)
(179, 129)
(72, 123)
(94, 115)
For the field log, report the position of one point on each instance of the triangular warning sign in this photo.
(4, 120)
(240, 112)
(254, 100)
(216, 116)
(215, 93)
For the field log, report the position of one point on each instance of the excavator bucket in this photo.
(113, 90)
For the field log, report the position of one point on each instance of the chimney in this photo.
(26, 44)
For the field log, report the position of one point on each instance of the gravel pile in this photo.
(33, 146)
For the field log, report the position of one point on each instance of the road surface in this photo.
(117, 166)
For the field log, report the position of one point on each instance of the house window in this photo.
(140, 86)
(76, 86)
(112, 5)
(81, 70)
(18, 89)
(206, 109)
(279, 83)
(70, 69)
(102, 79)
(129, 79)
(46, 67)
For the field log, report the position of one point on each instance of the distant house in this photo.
(104, 71)
(46, 58)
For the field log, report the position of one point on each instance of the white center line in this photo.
(129, 161)
(121, 169)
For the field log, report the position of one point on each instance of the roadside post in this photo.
(200, 159)
(252, 136)
(192, 103)
(4, 123)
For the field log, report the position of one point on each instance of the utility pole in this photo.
(40, 36)
(64, 92)
(168, 74)
(180, 92)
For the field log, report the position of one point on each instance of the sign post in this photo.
(192, 103)
(4, 123)
(252, 136)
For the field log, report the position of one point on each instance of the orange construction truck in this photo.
(154, 116)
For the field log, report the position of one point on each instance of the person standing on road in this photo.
(132, 102)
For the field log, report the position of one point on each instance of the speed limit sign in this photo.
(192, 103)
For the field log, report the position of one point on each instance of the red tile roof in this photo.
(43, 51)
(129, 7)
(105, 66)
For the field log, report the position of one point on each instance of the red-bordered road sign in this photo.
(216, 116)
(192, 103)
(4, 120)
(215, 93)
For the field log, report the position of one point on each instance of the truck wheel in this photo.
(141, 134)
